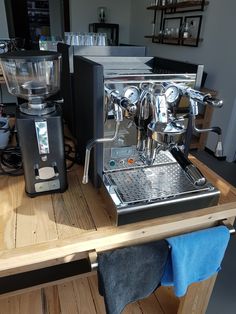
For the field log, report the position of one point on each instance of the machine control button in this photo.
(44, 158)
(41, 187)
(131, 161)
(112, 163)
(46, 173)
(54, 185)
(47, 186)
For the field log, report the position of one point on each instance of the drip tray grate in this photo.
(151, 183)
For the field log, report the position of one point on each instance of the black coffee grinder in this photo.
(35, 76)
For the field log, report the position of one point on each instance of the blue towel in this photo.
(194, 257)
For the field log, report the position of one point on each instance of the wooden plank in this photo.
(34, 222)
(75, 297)
(67, 298)
(133, 308)
(9, 204)
(97, 299)
(24, 304)
(51, 302)
(83, 296)
(72, 214)
(197, 297)
(98, 208)
(59, 251)
(35, 218)
(44, 285)
(168, 301)
(150, 305)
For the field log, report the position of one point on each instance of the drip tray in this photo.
(152, 183)
(150, 192)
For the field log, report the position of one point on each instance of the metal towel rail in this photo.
(92, 256)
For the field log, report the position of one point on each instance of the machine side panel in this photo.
(67, 88)
(89, 91)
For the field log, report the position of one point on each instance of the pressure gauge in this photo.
(172, 94)
(132, 93)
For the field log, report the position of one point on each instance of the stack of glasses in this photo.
(86, 39)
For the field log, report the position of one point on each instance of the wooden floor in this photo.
(81, 296)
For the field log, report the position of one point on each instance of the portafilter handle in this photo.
(203, 98)
(192, 172)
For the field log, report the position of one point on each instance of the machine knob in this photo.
(112, 163)
(214, 102)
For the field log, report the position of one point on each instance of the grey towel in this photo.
(129, 274)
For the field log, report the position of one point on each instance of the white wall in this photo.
(217, 52)
(83, 12)
(3, 21)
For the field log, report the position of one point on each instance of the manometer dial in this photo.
(172, 94)
(132, 93)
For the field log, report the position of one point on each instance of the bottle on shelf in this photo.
(185, 31)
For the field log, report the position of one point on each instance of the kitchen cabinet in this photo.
(173, 25)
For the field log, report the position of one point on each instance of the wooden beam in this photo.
(56, 252)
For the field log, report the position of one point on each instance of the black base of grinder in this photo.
(41, 142)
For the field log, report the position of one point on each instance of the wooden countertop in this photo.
(54, 229)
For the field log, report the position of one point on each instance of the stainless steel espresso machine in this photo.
(141, 157)
(35, 76)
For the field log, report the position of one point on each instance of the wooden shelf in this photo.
(177, 8)
(185, 4)
(187, 40)
(149, 36)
